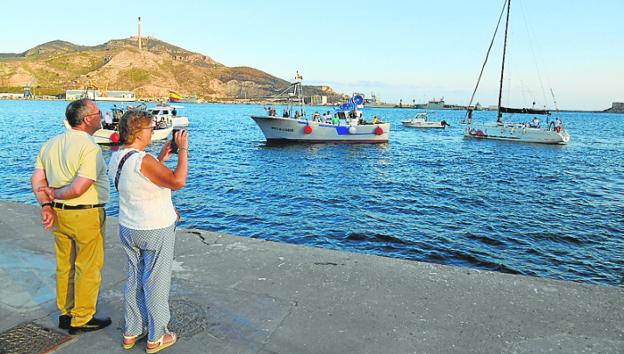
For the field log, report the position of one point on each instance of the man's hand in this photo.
(47, 217)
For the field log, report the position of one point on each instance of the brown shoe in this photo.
(163, 342)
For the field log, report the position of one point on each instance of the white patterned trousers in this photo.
(146, 294)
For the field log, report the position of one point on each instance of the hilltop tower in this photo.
(139, 35)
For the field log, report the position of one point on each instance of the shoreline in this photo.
(247, 102)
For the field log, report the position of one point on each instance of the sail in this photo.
(524, 110)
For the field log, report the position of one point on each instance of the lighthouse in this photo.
(139, 35)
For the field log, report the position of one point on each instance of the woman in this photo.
(147, 227)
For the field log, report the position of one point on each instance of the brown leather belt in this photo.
(76, 207)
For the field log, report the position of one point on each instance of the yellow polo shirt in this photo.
(73, 154)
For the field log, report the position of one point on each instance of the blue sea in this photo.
(433, 196)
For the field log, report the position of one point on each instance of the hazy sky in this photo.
(410, 50)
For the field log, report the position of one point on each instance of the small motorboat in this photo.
(109, 133)
(169, 114)
(421, 121)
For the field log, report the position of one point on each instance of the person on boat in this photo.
(535, 123)
(108, 121)
(316, 117)
(297, 114)
(335, 120)
(469, 119)
(558, 124)
(375, 120)
(174, 112)
(147, 222)
(285, 114)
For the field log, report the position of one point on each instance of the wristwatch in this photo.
(47, 204)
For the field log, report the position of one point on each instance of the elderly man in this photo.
(71, 184)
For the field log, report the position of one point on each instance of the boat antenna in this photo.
(487, 55)
(499, 114)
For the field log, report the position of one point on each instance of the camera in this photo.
(173, 145)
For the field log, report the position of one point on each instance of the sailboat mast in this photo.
(499, 115)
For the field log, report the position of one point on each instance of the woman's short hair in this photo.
(131, 123)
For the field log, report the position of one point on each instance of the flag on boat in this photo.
(174, 96)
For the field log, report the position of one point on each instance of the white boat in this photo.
(111, 137)
(346, 126)
(109, 134)
(553, 133)
(421, 121)
(280, 129)
(521, 132)
(169, 114)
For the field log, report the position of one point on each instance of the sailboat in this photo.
(527, 132)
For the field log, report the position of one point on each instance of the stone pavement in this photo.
(233, 294)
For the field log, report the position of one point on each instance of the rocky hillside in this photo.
(56, 66)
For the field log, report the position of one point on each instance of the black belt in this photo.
(76, 207)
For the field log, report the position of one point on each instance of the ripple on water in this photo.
(551, 211)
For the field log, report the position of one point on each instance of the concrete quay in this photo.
(233, 294)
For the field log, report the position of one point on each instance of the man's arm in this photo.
(73, 190)
(38, 181)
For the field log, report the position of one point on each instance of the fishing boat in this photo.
(422, 121)
(526, 132)
(169, 114)
(346, 125)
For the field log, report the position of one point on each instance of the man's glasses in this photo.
(99, 112)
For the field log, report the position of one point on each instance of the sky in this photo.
(401, 50)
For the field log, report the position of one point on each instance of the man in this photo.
(71, 184)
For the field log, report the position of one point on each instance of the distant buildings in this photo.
(432, 104)
(98, 95)
(616, 107)
(318, 100)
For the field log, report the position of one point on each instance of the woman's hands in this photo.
(165, 152)
(181, 139)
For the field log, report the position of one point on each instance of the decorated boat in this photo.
(345, 125)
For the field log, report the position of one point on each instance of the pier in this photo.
(233, 294)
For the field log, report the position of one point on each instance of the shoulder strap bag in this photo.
(121, 163)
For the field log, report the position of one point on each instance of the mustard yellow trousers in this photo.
(79, 237)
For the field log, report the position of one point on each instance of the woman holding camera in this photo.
(147, 220)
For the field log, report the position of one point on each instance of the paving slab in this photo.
(234, 294)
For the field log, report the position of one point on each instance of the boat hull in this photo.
(103, 136)
(286, 130)
(516, 132)
(179, 122)
(426, 125)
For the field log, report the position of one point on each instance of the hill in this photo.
(53, 67)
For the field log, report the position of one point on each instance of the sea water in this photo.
(427, 195)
